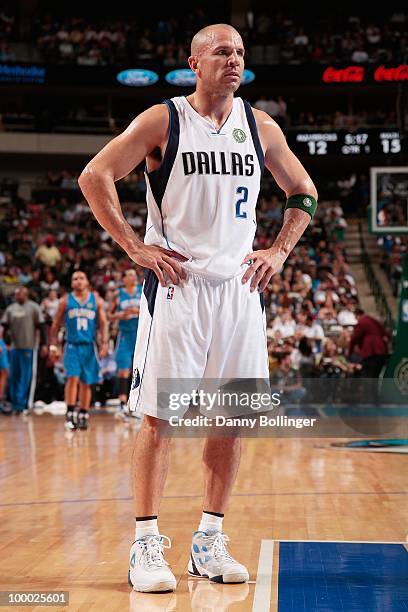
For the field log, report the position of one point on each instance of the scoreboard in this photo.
(342, 142)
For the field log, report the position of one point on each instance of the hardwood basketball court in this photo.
(66, 515)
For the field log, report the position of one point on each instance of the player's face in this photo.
(130, 277)
(220, 64)
(79, 282)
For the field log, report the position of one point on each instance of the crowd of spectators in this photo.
(270, 37)
(91, 120)
(7, 33)
(283, 38)
(117, 41)
(393, 250)
(310, 305)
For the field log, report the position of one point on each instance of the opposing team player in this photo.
(127, 313)
(205, 155)
(83, 313)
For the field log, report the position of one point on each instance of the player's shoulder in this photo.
(263, 119)
(156, 116)
(152, 124)
(98, 298)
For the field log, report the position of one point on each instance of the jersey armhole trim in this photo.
(159, 178)
(254, 133)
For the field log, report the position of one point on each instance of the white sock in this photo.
(147, 527)
(210, 522)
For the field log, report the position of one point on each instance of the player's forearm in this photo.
(117, 316)
(54, 333)
(100, 192)
(103, 330)
(295, 222)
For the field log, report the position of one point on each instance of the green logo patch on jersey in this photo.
(239, 135)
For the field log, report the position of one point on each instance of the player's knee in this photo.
(158, 429)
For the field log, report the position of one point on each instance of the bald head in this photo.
(206, 37)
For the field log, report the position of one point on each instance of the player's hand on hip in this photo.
(263, 265)
(161, 261)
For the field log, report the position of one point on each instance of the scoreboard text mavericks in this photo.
(378, 141)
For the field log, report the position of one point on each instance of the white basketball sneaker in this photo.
(149, 572)
(209, 558)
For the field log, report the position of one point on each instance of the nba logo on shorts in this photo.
(170, 293)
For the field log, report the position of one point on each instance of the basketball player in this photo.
(205, 154)
(83, 313)
(127, 313)
(4, 367)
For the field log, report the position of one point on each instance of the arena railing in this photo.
(375, 286)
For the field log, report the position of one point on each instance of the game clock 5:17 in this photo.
(342, 142)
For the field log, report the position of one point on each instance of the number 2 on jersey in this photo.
(244, 192)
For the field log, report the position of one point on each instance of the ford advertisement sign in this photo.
(247, 77)
(186, 77)
(136, 77)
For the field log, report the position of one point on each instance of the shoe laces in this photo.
(153, 546)
(218, 546)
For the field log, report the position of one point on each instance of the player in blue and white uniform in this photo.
(127, 313)
(4, 368)
(201, 312)
(83, 313)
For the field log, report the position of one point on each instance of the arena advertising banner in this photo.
(185, 77)
(137, 77)
(154, 74)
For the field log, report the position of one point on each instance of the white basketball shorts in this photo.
(201, 329)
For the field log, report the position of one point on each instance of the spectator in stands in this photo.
(313, 331)
(49, 305)
(287, 380)
(307, 362)
(21, 320)
(285, 324)
(346, 315)
(371, 339)
(48, 281)
(4, 367)
(48, 254)
(359, 55)
(331, 364)
(262, 104)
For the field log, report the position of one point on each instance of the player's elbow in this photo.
(86, 177)
(307, 186)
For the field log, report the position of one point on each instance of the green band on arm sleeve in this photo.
(303, 201)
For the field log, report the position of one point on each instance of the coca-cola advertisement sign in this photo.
(363, 74)
(351, 74)
(399, 73)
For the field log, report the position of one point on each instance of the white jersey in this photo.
(201, 200)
